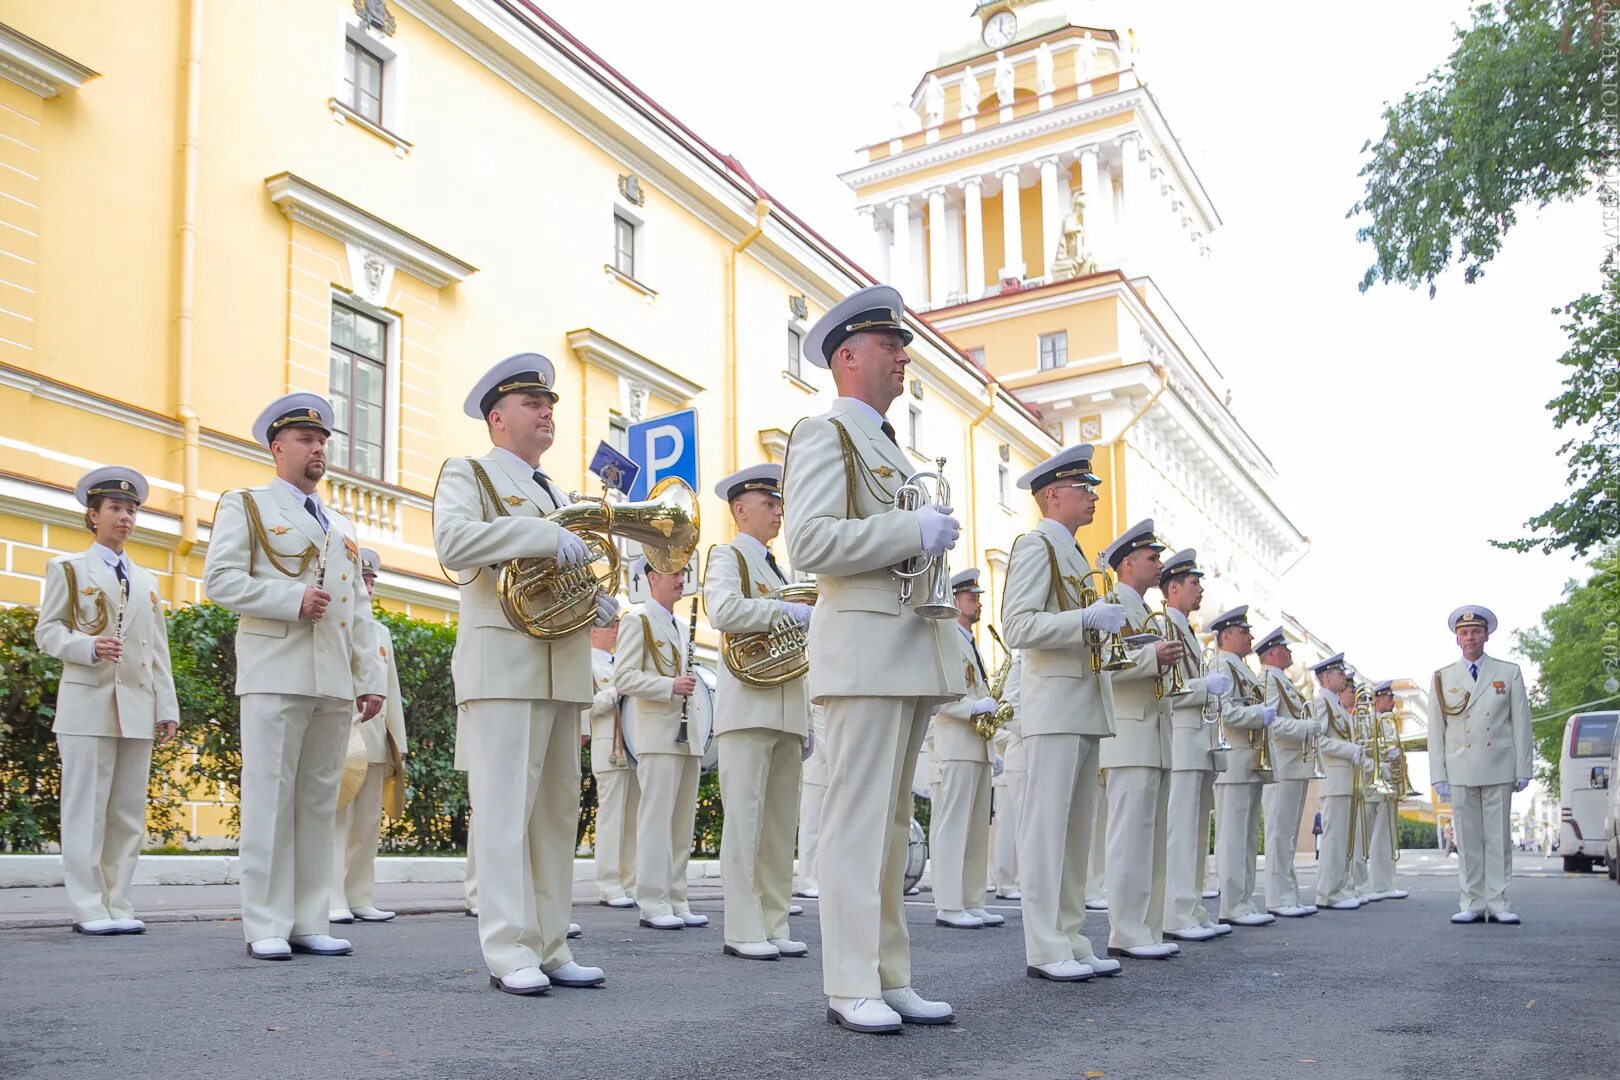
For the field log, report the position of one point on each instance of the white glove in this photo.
(1103, 616)
(1442, 790)
(1521, 783)
(1386, 772)
(606, 608)
(998, 766)
(984, 705)
(809, 746)
(1319, 724)
(1356, 754)
(571, 550)
(795, 610)
(1392, 755)
(1218, 684)
(939, 529)
(1268, 715)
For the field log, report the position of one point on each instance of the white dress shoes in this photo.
(1345, 905)
(1101, 965)
(987, 917)
(270, 948)
(1468, 917)
(320, 945)
(914, 891)
(1504, 916)
(1163, 950)
(916, 1009)
(525, 982)
(574, 931)
(958, 920)
(1192, 933)
(1293, 911)
(618, 902)
(789, 947)
(1010, 894)
(373, 914)
(1062, 971)
(795, 909)
(863, 1014)
(1096, 905)
(97, 927)
(692, 919)
(1394, 894)
(1253, 918)
(1221, 929)
(472, 913)
(340, 915)
(665, 922)
(130, 925)
(576, 975)
(752, 950)
(1209, 894)
(812, 893)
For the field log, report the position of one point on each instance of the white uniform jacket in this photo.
(391, 721)
(1192, 742)
(1337, 746)
(1291, 731)
(650, 655)
(1479, 729)
(1141, 717)
(953, 735)
(1243, 715)
(734, 587)
(1009, 741)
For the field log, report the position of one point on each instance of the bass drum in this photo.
(699, 720)
(916, 855)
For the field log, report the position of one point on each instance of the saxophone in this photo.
(986, 725)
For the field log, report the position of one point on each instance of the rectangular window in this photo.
(624, 245)
(914, 429)
(1054, 350)
(795, 353)
(1001, 484)
(359, 370)
(363, 77)
(618, 433)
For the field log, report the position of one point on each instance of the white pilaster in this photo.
(1012, 228)
(938, 248)
(1097, 206)
(1051, 212)
(974, 209)
(1134, 202)
(900, 253)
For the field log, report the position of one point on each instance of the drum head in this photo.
(627, 726)
(916, 855)
(700, 717)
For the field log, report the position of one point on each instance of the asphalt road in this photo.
(1390, 991)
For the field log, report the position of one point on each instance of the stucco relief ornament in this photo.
(933, 102)
(375, 13)
(638, 400)
(375, 267)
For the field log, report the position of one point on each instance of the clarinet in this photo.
(320, 566)
(682, 736)
(118, 625)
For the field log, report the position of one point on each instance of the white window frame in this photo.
(393, 422)
(1057, 337)
(914, 428)
(621, 223)
(618, 432)
(394, 123)
(1003, 483)
(646, 267)
(794, 367)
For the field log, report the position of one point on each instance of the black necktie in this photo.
(980, 661)
(888, 429)
(314, 511)
(545, 484)
(1473, 672)
(770, 560)
(118, 569)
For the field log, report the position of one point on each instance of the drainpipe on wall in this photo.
(185, 321)
(762, 211)
(990, 387)
(1118, 450)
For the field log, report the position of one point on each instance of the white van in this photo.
(1584, 771)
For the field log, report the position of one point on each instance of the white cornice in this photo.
(324, 212)
(604, 352)
(36, 68)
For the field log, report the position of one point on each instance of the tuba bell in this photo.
(934, 568)
(546, 600)
(774, 657)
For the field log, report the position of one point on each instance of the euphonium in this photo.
(548, 601)
(910, 496)
(1115, 658)
(773, 657)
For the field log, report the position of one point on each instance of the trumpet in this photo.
(1178, 684)
(1211, 711)
(910, 496)
(1115, 660)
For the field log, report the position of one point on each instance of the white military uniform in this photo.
(878, 668)
(959, 820)
(812, 793)
(1066, 709)
(1238, 791)
(1008, 789)
(650, 656)
(359, 824)
(1097, 852)
(1137, 763)
(106, 717)
(519, 699)
(618, 792)
(1284, 798)
(1480, 744)
(1337, 748)
(1192, 789)
(761, 732)
(298, 681)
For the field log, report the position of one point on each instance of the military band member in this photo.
(1340, 761)
(1007, 790)
(1245, 716)
(1137, 760)
(876, 665)
(761, 730)
(306, 662)
(959, 823)
(1363, 808)
(651, 666)
(100, 616)
(519, 696)
(1193, 759)
(1066, 709)
(812, 793)
(359, 822)
(1480, 753)
(618, 793)
(1385, 813)
(1293, 765)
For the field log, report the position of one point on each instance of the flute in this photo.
(682, 736)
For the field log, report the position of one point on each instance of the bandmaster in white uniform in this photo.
(100, 616)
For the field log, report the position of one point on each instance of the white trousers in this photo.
(1284, 802)
(759, 788)
(292, 764)
(1333, 864)
(1358, 855)
(523, 779)
(1483, 821)
(872, 745)
(103, 812)
(354, 844)
(1381, 861)
(811, 797)
(959, 836)
(1009, 805)
(1054, 842)
(1097, 860)
(1192, 799)
(469, 883)
(1138, 799)
(664, 823)
(1237, 840)
(618, 805)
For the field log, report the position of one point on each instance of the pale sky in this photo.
(1407, 432)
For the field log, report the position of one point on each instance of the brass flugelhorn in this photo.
(911, 495)
(1107, 650)
(1178, 687)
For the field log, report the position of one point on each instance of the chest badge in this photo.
(514, 500)
(281, 530)
(883, 471)
(88, 590)
(1499, 686)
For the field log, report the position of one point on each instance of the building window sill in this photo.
(1005, 509)
(345, 115)
(794, 380)
(625, 279)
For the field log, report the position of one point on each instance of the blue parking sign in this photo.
(663, 446)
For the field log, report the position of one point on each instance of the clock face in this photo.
(1000, 29)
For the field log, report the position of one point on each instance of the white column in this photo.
(939, 246)
(877, 244)
(971, 194)
(1096, 211)
(1134, 202)
(1012, 227)
(900, 253)
(1051, 212)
